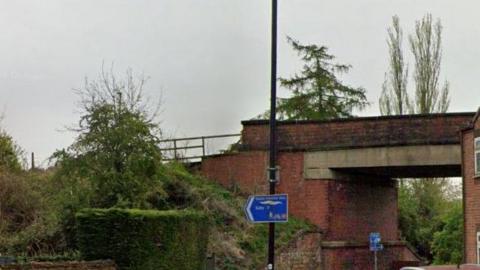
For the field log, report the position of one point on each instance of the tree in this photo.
(447, 245)
(431, 202)
(421, 201)
(426, 48)
(394, 98)
(423, 205)
(116, 154)
(10, 153)
(317, 93)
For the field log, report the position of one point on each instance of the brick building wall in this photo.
(471, 206)
(471, 192)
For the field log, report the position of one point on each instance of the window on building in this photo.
(478, 247)
(477, 156)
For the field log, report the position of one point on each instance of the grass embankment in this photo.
(237, 244)
(33, 224)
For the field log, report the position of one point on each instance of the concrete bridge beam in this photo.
(398, 161)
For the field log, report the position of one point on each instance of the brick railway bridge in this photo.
(340, 175)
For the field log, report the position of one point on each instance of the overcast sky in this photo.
(209, 59)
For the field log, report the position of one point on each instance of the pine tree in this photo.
(317, 93)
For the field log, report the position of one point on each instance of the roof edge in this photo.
(363, 118)
(471, 125)
(475, 118)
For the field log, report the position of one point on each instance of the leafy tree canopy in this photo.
(447, 244)
(422, 204)
(317, 92)
(10, 153)
(115, 153)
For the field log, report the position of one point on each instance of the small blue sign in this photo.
(267, 208)
(375, 241)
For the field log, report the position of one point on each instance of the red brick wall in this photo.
(362, 206)
(359, 132)
(246, 170)
(471, 197)
(306, 252)
(307, 199)
(361, 258)
(343, 210)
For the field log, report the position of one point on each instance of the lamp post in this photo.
(272, 171)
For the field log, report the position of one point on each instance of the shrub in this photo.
(116, 149)
(10, 153)
(447, 245)
(144, 239)
(28, 223)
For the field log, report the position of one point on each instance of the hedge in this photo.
(144, 239)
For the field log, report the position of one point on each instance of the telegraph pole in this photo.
(272, 171)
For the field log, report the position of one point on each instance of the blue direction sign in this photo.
(375, 241)
(267, 208)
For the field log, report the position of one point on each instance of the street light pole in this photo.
(273, 138)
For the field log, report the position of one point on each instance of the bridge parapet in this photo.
(359, 132)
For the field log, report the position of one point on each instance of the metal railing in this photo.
(180, 148)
